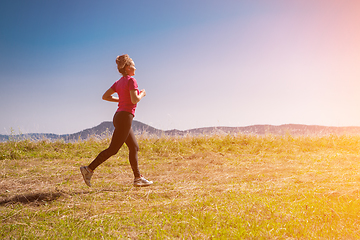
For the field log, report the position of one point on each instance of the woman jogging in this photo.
(129, 95)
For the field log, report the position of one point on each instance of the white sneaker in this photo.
(142, 182)
(86, 174)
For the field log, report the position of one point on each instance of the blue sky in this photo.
(202, 63)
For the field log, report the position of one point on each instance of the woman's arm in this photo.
(135, 97)
(108, 96)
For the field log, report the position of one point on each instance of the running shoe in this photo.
(142, 182)
(86, 174)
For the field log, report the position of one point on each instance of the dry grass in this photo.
(218, 187)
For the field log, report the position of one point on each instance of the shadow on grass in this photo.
(32, 198)
(43, 198)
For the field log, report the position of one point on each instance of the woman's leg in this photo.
(133, 153)
(122, 122)
(133, 146)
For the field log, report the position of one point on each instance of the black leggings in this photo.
(123, 133)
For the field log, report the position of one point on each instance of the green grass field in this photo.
(208, 187)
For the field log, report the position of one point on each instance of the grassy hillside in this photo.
(218, 187)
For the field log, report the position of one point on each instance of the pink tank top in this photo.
(123, 87)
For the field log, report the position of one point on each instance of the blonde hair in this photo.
(123, 61)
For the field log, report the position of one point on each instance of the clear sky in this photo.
(202, 62)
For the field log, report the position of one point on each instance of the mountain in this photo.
(102, 130)
(292, 129)
(106, 129)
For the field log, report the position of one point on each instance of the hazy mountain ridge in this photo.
(106, 129)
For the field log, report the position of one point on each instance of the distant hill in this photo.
(102, 130)
(106, 129)
(292, 129)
